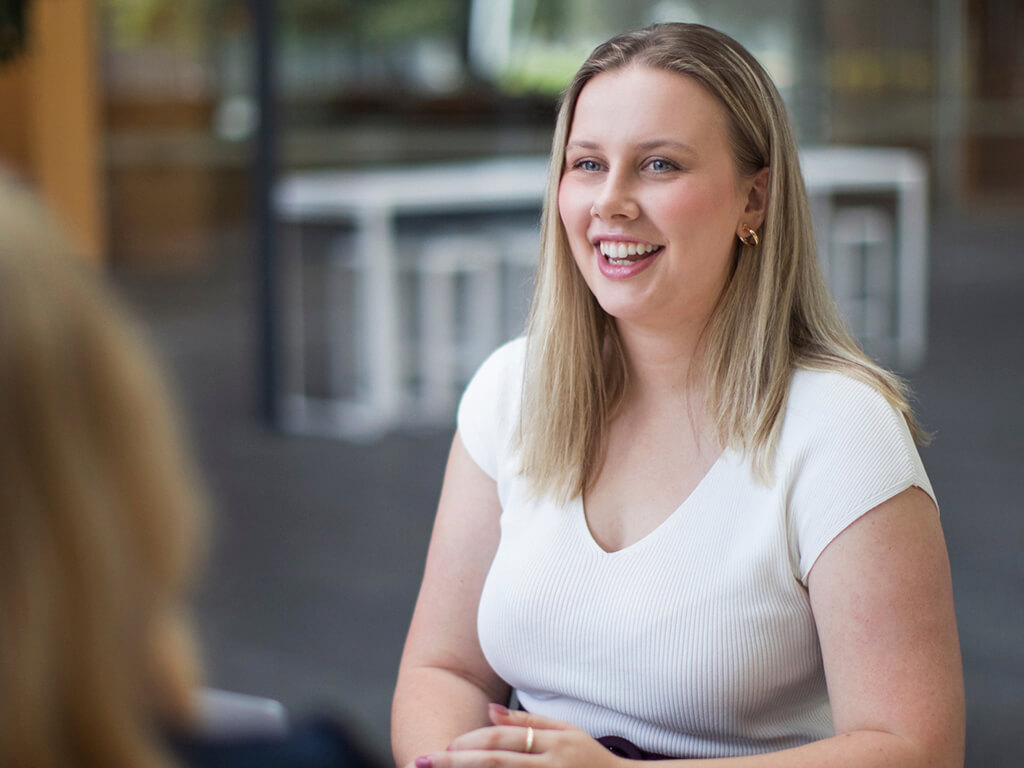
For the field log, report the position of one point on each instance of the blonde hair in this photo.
(775, 313)
(99, 517)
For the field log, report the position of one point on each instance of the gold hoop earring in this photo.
(750, 239)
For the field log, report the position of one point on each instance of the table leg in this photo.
(913, 269)
(377, 251)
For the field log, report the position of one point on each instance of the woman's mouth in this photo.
(620, 254)
(623, 259)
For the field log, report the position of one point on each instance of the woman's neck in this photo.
(661, 364)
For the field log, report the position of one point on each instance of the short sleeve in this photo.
(489, 406)
(853, 452)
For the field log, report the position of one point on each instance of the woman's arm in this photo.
(444, 682)
(882, 598)
(883, 603)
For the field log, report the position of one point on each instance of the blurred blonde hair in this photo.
(99, 517)
(775, 313)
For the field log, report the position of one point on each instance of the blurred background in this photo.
(325, 211)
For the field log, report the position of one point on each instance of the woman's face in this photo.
(650, 196)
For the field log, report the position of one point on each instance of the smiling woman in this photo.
(684, 517)
(656, 195)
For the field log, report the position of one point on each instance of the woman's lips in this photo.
(621, 259)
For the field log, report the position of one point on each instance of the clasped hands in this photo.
(522, 739)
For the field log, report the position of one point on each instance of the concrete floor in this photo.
(318, 545)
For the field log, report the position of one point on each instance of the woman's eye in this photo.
(661, 165)
(587, 165)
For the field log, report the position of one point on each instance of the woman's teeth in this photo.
(619, 253)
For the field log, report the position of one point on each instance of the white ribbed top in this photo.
(698, 640)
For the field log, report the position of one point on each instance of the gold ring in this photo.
(529, 739)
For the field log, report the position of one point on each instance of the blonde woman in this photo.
(685, 517)
(100, 523)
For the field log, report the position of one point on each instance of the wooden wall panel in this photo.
(15, 145)
(64, 118)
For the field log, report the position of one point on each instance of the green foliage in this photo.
(176, 23)
(545, 70)
(373, 22)
(181, 23)
(389, 21)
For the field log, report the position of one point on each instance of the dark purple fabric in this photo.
(621, 747)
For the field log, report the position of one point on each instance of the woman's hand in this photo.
(522, 739)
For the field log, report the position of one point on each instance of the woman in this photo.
(100, 523)
(685, 515)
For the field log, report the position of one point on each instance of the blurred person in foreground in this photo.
(101, 523)
(684, 517)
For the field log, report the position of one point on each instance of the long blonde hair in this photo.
(775, 313)
(99, 517)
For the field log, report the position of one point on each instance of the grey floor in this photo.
(318, 545)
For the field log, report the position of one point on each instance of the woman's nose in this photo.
(615, 199)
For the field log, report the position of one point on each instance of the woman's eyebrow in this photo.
(666, 143)
(590, 145)
(643, 145)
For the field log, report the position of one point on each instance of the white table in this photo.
(829, 171)
(373, 201)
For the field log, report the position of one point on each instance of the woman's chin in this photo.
(626, 312)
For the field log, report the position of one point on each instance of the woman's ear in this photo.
(757, 198)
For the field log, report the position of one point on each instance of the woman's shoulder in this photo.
(498, 377)
(825, 398)
(508, 358)
(489, 406)
(840, 416)
(844, 449)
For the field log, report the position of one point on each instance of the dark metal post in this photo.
(263, 177)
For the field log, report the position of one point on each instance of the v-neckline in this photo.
(580, 513)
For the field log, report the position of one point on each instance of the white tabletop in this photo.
(461, 186)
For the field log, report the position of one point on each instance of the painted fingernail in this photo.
(498, 709)
(424, 762)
